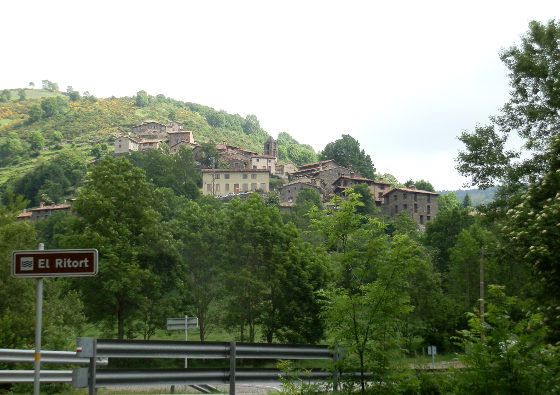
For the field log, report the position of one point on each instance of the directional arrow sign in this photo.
(54, 263)
(179, 323)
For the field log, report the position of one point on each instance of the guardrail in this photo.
(11, 355)
(93, 348)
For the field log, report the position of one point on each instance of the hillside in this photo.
(35, 123)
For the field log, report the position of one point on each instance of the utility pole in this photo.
(481, 300)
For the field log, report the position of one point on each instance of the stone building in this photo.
(289, 191)
(285, 169)
(422, 206)
(125, 145)
(43, 212)
(219, 182)
(264, 162)
(328, 172)
(377, 188)
(271, 147)
(157, 130)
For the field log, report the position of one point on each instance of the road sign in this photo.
(432, 350)
(179, 323)
(54, 263)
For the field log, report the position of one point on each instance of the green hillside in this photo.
(36, 123)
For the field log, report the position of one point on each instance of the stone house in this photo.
(125, 145)
(377, 188)
(42, 212)
(422, 206)
(284, 169)
(219, 182)
(271, 147)
(264, 162)
(328, 172)
(153, 129)
(180, 138)
(289, 191)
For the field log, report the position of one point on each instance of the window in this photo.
(263, 186)
(404, 195)
(421, 219)
(396, 209)
(428, 208)
(396, 197)
(415, 197)
(217, 176)
(428, 218)
(254, 167)
(226, 188)
(253, 176)
(236, 188)
(415, 206)
(429, 198)
(245, 187)
(245, 176)
(382, 187)
(405, 206)
(379, 194)
(253, 186)
(209, 188)
(217, 188)
(226, 176)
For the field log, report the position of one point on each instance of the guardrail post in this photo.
(336, 373)
(232, 356)
(92, 368)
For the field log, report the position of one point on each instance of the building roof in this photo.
(317, 164)
(52, 207)
(181, 132)
(264, 156)
(362, 179)
(236, 170)
(411, 191)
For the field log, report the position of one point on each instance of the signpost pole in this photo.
(38, 325)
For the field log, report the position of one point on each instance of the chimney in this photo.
(41, 204)
(412, 187)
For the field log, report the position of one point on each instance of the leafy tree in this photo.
(504, 355)
(36, 141)
(368, 206)
(306, 199)
(141, 99)
(50, 86)
(532, 112)
(422, 185)
(346, 151)
(120, 218)
(442, 234)
(21, 94)
(391, 179)
(72, 94)
(11, 149)
(290, 150)
(35, 113)
(32, 85)
(52, 106)
(5, 95)
(100, 150)
(448, 202)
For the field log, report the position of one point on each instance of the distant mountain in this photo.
(478, 196)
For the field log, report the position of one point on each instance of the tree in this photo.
(467, 202)
(141, 99)
(368, 206)
(5, 95)
(32, 85)
(448, 202)
(21, 94)
(120, 218)
(51, 106)
(346, 151)
(35, 113)
(72, 94)
(504, 355)
(422, 185)
(36, 141)
(11, 149)
(391, 179)
(532, 112)
(100, 150)
(50, 86)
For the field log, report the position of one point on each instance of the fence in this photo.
(93, 348)
(46, 376)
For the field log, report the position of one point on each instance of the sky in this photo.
(404, 78)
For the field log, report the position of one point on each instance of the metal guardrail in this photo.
(92, 348)
(28, 376)
(120, 377)
(59, 357)
(88, 347)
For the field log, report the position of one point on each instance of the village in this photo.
(248, 171)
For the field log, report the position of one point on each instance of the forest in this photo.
(480, 283)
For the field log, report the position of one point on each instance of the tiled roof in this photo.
(53, 207)
(411, 191)
(236, 170)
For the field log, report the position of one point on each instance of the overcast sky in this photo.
(402, 77)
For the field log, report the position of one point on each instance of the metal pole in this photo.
(482, 283)
(38, 325)
(186, 335)
(232, 356)
(92, 373)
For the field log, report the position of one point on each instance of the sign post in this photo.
(50, 263)
(432, 350)
(183, 324)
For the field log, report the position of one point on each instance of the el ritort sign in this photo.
(54, 263)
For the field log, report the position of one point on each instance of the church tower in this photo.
(271, 147)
